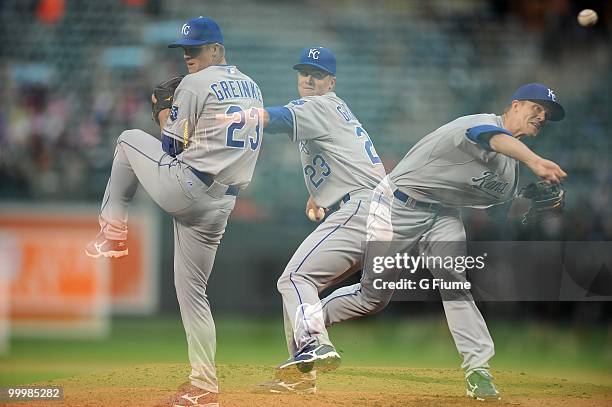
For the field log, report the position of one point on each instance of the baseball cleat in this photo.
(306, 384)
(192, 396)
(480, 386)
(311, 356)
(102, 246)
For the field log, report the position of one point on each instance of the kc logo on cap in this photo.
(197, 32)
(314, 53)
(317, 57)
(542, 94)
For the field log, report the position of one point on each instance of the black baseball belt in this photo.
(415, 204)
(209, 180)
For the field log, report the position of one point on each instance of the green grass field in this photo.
(532, 359)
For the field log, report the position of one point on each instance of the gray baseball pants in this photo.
(433, 233)
(329, 254)
(200, 215)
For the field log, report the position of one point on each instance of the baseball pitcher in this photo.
(470, 162)
(341, 168)
(211, 137)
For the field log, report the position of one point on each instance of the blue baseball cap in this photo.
(544, 95)
(199, 31)
(317, 57)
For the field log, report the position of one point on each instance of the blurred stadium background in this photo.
(77, 73)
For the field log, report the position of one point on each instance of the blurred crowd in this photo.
(61, 120)
(55, 149)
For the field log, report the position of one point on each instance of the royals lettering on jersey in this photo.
(450, 168)
(491, 183)
(338, 156)
(233, 89)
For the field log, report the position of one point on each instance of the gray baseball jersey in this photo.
(215, 114)
(447, 167)
(336, 152)
(338, 157)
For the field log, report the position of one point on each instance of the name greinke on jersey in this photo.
(231, 89)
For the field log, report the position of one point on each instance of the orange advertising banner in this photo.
(56, 287)
(4, 306)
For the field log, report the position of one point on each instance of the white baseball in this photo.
(587, 17)
(316, 217)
